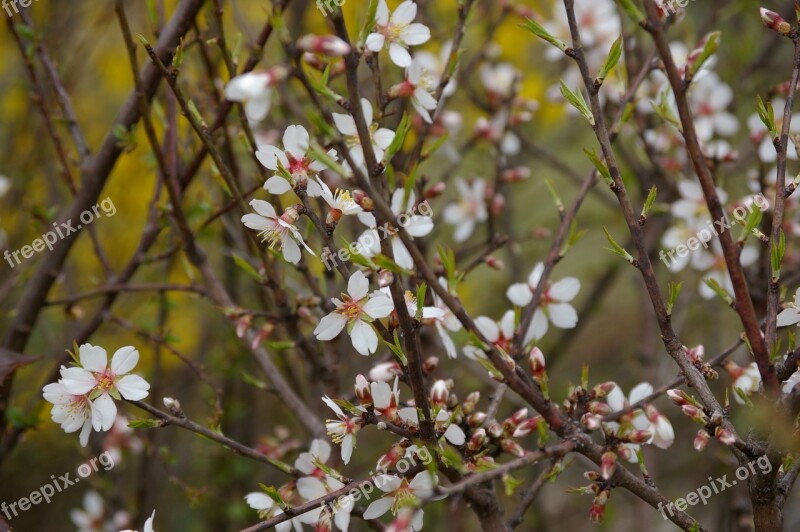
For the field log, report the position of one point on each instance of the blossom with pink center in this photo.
(401, 493)
(277, 231)
(500, 334)
(469, 210)
(418, 87)
(554, 303)
(293, 160)
(342, 431)
(105, 383)
(73, 412)
(746, 379)
(356, 310)
(397, 31)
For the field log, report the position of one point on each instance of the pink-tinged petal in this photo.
(330, 326)
(295, 141)
(566, 289)
(366, 109)
(378, 508)
(455, 435)
(364, 338)
(93, 358)
(640, 391)
(415, 34)
(278, 185)
(108, 412)
(86, 430)
(270, 156)
(563, 315)
(464, 230)
(616, 399)
(345, 124)
(538, 326)
(78, 381)
(378, 306)
(381, 394)
(419, 226)
(348, 444)
(519, 294)
(788, 316)
(263, 208)
(124, 360)
(133, 387)
(310, 488)
(405, 13)
(488, 328)
(375, 42)
(399, 55)
(259, 501)
(382, 13)
(358, 286)
(402, 257)
(254, 221)
(257, 109)
(291, 251)
(507, 324)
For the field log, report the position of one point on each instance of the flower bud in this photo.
(494, 263)
(329, 45)
(498, 204)
(477, 441)
(363, 392)
(476, 419)
(598, 509)
(594, 476)
(435, 191)
(536, 362)
(174, 406)
(701, 440)
(639, 436)
(608, 464)
(695, 354)
(527, 426)
(600, 409)
(695, 413)
(725, 436)
(775, 22)
(363, 201)
(516, 174)
(430, 364)
(242, 324)
(390, 459)
(601, 390)
(495, 430)
(678, 397)
(439, 394)
(385, 372)
(591, 421)
(385, 278)
(512, 447)
(469, 404)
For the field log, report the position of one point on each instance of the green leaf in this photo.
(247, 268)
(632, 11)
(767, 115)
(664, 110)
(776, 257)
(322, 156)
(396, 349)
(710, 45)
(538, 30)
(648, 203)
(576, 100)
(144, 423)
(617, 249)
(611, 61)
(422, 289)
(273, 494)
(399, 138)
(674, 290)
(714, 285)
(556, 199)
(25, 31)
(599, 165)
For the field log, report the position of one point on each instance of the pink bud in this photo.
(695, 413)
(469, 404)
(608, 464)
(725, 436)
(242, 324)
(601, 390)
(600, 409)
(512, 447)
(430, 365)
(639, 436)
(477, 441)
(329, 45)
(385, 372)
(494, 263)
(677, 396)
(701, 440)
(363, 201)
(598, 509)
(495, 430)
(385, 278)
(390, 459)
(439, 393)
(498, 204)
(775, 22)
(527, 426)
(516, 174)
(435, 191)
(363, 392)
(591, 421)
(537, 364)
(476, 419)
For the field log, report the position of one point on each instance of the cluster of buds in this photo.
(328, 45)
(695, 356)
(775, 22)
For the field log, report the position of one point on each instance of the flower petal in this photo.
(124, 360)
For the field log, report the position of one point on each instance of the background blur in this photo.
(197, 485)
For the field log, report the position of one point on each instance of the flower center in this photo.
(350, 309)
(105, 381)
